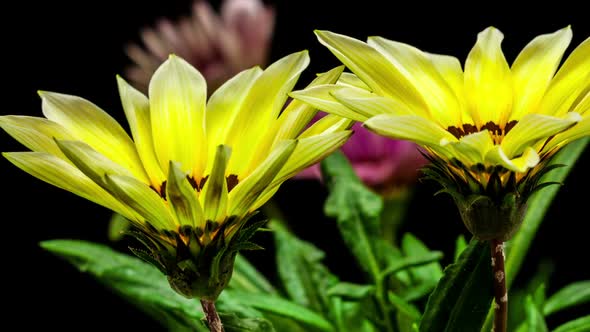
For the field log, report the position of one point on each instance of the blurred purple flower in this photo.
(219, 45)
(387, 166)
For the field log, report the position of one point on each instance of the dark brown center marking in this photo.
(231, 180)
(495, 130)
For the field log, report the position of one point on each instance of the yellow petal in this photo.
(88, 123)
(472, 149)
(58, 172)
(528, 159)
(579, 130)
(309, 151)
(321, 98)
(243, 196)
(488, 85)
(369, 104)
(410, 127)
(144, 200)
(417, 68)
(224, 105)
(182, 198)
(572, 78)
(534, 68)
(351, 80)
(329, 123)
(583, 105)
(260, 109)
(137, 111)
(35, 133)
(298, 114)
(214, 195)
(451, 71)
(371, 67)
(178, 93)
(91, 162)
(532, 128)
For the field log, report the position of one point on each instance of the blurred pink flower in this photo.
(385, 165)
(218, 45)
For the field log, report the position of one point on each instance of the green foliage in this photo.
(404, 289)
(461, 299)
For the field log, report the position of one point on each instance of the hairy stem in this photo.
(500, 293)
(212, 317)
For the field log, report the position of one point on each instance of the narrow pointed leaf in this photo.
(571, 295)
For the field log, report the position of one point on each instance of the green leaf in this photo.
(140, 283)
(516, 308)
(534, 318)
(460, 245)
(462, 297)
(233, 323)
(407, 315)
(247, 278)
(351, 291)
(538, 204)
(571, 295)
(354, 315)
(429, 273)
(357, 211)
(281, 307)
(581, 324)
(304, 277)
(408, 262)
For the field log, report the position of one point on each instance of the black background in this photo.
(77, 48)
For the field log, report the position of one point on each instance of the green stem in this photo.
(213, 319)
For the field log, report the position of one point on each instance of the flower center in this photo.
(496, 131)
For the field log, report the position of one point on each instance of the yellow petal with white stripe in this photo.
(534, 68)
(35, 133)
(144, 200)
(177, 95)
(88, 123)
(57, 172)
(243, 196)
(371, 67)
(91, 162)
(528, 159)
(488, 85)
(182, 198)
(137, 111)
(409, 127)
(321, 98)
(417, 68)
(532, 128)
(572, 78)
(214, 195)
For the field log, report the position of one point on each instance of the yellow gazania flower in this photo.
(489, 128)
(195, 169)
